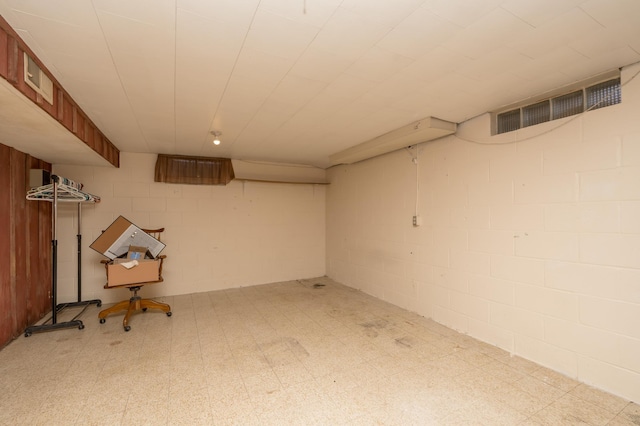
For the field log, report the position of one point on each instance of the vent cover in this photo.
(37, 79)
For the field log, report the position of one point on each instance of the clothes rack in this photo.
(62, 190)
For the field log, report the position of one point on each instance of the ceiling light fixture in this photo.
(216, 137)
(427, 129)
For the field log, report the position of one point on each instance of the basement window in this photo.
(603, 95)
(193, 170)
(536, 114)
(509, 121)
(599, 95)
(567, 105)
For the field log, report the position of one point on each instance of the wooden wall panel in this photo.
(25, 247)
(3, 54)
(20, 238)
(12, 60)
(6, 315)
(39, 271)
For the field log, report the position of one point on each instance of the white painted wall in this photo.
(217, 237)
(532, 244)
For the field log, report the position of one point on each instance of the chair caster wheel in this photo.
(27, 334)
(144, 309)
(81, 326)
(169, 313)
(99, 304)
(102, 320)
(127, 327)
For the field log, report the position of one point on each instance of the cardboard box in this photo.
(146, 270)
(137, 253)
(116, 239)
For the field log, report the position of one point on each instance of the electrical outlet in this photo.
(417, 220)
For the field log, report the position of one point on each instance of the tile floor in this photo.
(307, 352)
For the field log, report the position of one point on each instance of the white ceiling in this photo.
(295, 81)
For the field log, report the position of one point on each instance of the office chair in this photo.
(136, 303)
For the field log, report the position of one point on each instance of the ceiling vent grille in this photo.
(37, 79)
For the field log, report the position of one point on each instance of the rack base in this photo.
(57, 326)
(75, 322)
(62, 306)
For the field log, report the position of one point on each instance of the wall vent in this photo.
(37, 79)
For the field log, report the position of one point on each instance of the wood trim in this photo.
(12, 60)
(282, 181)
(4, 40)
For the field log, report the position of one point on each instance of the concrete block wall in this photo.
(530, 240)
(217, 237)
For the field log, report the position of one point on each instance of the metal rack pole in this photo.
(79, 302)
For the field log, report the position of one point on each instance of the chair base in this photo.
(134, 304)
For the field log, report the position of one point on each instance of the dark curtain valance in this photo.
(193, 170)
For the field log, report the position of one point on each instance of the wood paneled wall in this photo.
(63, 109)
(25, 246)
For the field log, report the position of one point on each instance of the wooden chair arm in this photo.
(162, 257)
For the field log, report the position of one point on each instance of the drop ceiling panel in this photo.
(418, 34)
(555, 60)
(597, 43)
(495, 63)
(236, 12)
(311, 12)
(386, 13)
(462, 12)
(319, 64)
(153, 12)
(613, 13)
(267, 120)
(434, 65)
(378, 65)
(80, 15)
(492, 31)
(52, 34)
(539, 12)
(348, 35)
(346, 88)
(151, 39)
(211, 42)
(287, 39)
(296, 91)
(555, 33)
(75, 58)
